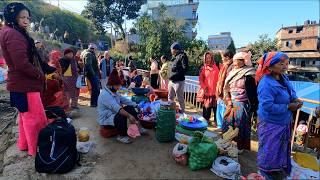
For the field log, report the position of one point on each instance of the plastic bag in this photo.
(81, 82)
(226, 168)
(202, 152)
(84, 147)
(179, 154)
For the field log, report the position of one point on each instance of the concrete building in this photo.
(300, 43)
(220, 41)
(184, 11)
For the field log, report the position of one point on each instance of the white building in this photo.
(220, 41)
(185, 10)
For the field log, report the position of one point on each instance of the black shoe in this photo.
(93, 105)
(74, 107)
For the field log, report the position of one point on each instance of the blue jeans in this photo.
(221, 108)
(95, 90)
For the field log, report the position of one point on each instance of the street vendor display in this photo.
(140, 95)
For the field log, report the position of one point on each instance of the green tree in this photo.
(55, 18)
(262, 45)
(157, 35)
(232, 47)
(112, 11)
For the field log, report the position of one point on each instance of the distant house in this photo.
(220, 41)
(185, 11)
(300, 44)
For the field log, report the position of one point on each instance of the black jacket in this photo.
(180, 65)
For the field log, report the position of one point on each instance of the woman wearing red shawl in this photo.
(277, 100)
(208, 79)
(54, 95)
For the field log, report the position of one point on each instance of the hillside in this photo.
(55, 18)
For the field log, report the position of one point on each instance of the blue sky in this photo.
(245, 19)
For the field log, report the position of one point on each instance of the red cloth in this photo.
(208, 81)
(23, 76)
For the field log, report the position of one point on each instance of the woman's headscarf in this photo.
(246, 56)
(267, 60)
(54, 60)
(212, 58)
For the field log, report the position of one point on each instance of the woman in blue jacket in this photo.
(277, 101)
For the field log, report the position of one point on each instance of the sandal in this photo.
(143, 131)
(124, 139)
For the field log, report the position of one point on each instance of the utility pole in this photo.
(59, 3)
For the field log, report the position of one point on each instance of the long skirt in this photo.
(30, 124)
(274, 148)
(241, 118)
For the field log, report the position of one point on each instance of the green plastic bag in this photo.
(202, 153)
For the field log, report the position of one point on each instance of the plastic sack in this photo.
(133, 131)
(299, 172)
(84, 147)
(179, 154)
(226, 168)
(81, 82)
(182, 138)
(202, 152)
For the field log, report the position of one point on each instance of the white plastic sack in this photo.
(298, 172)
(180, 149)
(226, 168)
(182, 138)
(84, 147)
(81, 82)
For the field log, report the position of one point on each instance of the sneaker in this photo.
(75, 108)
(93, 105)
(124, 139)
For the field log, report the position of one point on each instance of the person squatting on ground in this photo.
(116, 110)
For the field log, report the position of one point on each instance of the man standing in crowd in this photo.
(179, 67)
(106, 67)
(92, 72)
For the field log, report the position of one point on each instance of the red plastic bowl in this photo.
(161, 93)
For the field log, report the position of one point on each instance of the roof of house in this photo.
(290, 27)
(303, 54)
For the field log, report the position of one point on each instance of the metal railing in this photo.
(312, 130)
(190, 91)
